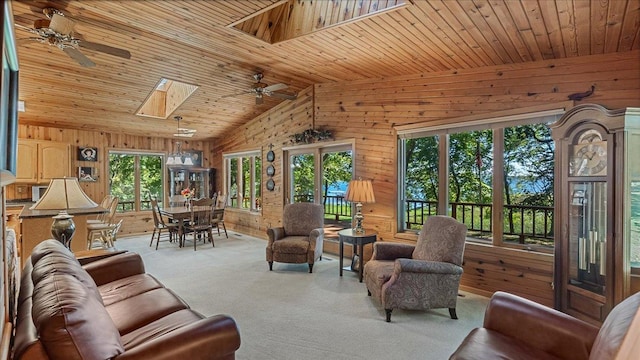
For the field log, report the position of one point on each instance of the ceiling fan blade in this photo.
(79, 57)
(22, 27)
(105, 49)
(259, 100)
(61, 24)
(275, 87)
(283, 96)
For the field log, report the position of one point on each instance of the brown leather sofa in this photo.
(517, 328)
(109, 309)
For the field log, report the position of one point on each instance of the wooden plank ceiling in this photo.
(195, 42)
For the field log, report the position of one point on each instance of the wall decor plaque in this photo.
(87, 153)
(271, 185)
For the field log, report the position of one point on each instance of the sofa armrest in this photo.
(215, 337)
(275, 233)
(426, 267)
(539, 326)
(391, 251)
(116, 267)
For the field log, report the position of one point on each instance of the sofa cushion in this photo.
(127, 287)
(159, 327)
(483, 343)
(71, 322)
(614, 329)
(441, 239)
(301, 218)
(292, 245)
(142, 309)
(60, 263)
(48, 247)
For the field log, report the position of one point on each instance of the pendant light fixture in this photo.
(179, 158)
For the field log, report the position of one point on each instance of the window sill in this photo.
(244, 211)
(413, 237)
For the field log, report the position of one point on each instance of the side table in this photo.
(358, 240)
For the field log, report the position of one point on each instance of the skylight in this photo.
(289, 19)
(167, 95)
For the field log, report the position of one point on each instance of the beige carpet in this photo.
(291, 314)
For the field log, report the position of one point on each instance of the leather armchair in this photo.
(517, 328)
(300, 238)
(420, 277)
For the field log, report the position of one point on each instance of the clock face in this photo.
(589, 156)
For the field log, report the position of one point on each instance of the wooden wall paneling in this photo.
(370, 109)
(134, 222)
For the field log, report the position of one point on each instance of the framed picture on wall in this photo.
(86, 173)
(196, 156)
(87, 153)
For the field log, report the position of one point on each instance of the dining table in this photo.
(179, 214)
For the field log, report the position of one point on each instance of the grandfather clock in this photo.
(597, 209)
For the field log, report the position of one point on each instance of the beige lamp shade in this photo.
(360, 191)
(64, 193)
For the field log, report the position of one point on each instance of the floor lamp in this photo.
(360, 191)
(64, 194)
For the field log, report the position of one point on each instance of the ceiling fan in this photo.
(260, 89)
(57, 30)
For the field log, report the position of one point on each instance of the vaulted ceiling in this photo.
(298, 43)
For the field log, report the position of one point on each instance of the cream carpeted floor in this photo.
(291, 314)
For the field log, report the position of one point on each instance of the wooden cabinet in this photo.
(40, 161)
(194, 178)
(597, 209)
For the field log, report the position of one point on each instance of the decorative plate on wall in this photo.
(271, 156)
(271, 185)
(271, 170)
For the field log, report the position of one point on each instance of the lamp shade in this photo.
(64, 193)
(360, 191)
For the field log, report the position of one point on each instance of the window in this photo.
(134, 178)
(243, 180)
(495, 175)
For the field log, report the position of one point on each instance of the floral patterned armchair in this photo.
(299, 239)
(420, 277)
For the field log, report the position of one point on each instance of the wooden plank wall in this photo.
(135, 222)
(270, 128)
(367, 110)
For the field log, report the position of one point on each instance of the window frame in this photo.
(256, 187)
(137, 195)
(496, 122)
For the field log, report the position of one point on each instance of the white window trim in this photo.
(226, 176)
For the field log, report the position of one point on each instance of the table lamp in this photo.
(63, 194)
(360, 191)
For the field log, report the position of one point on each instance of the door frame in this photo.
(317, 149)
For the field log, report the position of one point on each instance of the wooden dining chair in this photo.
(159, 225)
(101, 230)
(200, 221)
(217, 220)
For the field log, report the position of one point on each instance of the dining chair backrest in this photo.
(176, 200)
(155, 210)
(201, 211)
(105, 204)
(221, 201)
(110, 216)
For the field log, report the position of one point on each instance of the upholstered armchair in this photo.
(420, 277)
(299, 239)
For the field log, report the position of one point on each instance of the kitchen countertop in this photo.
(22, 202)
(28, 213)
